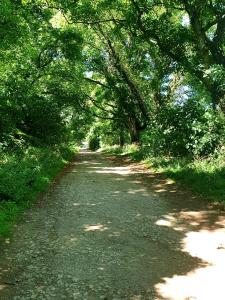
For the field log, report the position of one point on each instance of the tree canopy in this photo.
(141, 71)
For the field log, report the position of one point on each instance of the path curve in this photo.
(107, 230)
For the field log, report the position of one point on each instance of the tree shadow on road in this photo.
(122, 233)
(179, 238)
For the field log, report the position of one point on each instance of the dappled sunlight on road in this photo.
(2, 286)
(184, 220)
(133, 191)
(95, 227)
(77, 204)
(172, 240)
(114, 170)
(117, 231)
(203, 283)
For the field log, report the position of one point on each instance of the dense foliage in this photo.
(136, 67)
(139, 71)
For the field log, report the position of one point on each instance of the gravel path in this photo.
(109, 230)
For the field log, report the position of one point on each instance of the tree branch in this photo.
(97, 82)
(97, 105)
(93, 113)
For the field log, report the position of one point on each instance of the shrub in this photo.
(190, 129)
(23, 174)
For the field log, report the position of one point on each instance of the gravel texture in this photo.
(106, 229)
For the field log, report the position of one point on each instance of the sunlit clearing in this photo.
(97, 227)
(204, 283)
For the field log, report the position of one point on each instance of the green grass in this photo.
(23, 175)
(204, 176)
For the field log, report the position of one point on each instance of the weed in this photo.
(23, 175)
(205, 176)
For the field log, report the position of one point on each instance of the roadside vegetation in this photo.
(119, 72)
(24, 175)
(204, 176)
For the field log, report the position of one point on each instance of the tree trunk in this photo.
(134, 131)
(121, 138)
(133, 88)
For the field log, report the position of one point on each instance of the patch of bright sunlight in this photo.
(2, 287)
(185, 20)
(115, 234)
(161, 191)
(114, 170)
(204, 283)
(58, 20)
(87, 162)
(170, 221)
(183, 220)
(137, 191)
(169, 181)
(96, 227)
(87, 204)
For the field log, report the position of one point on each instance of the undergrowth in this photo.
(206, 176)
(23, 175)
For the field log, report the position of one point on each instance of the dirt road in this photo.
(107, 230)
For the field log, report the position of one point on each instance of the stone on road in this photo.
(110, 230)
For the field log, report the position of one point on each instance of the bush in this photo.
(190, 129)
(25, 174)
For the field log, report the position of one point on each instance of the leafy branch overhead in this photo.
(66, 65)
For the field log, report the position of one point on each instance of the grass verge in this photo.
(23, 175)
(204, 176)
